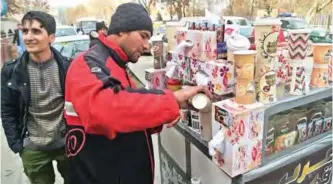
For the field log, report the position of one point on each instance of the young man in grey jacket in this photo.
(32, 101)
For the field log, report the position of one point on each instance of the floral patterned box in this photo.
(209, 46)
(220, 74)
(156, 78)
(204, 45)
(237, 136)
(182, 66)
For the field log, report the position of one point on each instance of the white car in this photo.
(241, 23)
(71, 46)
(232, 23)
(63, 30)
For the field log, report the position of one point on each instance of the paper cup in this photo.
(266, 82)
(280, 90)
(262, 68)
(298, 43)
(244, 64)
(282, 66)
(322, 53)
(171, 31)
(319, 76)
(201, 102)
(245, 92)
(297, 79)
(236, 43)
(266, 35)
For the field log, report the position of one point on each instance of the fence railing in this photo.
(324, 21)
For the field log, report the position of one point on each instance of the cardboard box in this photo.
(220, 72)
(157, 51)
(237, 136)
(206, 47)
(182, 66)
(156, 78)
(209, 46)
(201, 123)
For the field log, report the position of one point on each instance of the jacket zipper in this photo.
(152, 164)
(41, 76)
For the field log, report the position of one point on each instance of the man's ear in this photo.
(51, 38)
(121, 34)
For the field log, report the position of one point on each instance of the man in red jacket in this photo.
(110, 121)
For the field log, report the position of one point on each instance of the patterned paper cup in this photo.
(244, 64)
(297, 79)
(245, 92)
(322, 53)
(266, 82)
(298, 43)
(266, 35)
(319, 76)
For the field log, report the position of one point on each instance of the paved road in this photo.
(11, 165)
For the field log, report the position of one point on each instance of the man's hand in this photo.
(187, 93)
(181, 117)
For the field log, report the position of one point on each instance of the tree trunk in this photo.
(252, 8)
(178, 9)
(316, 8)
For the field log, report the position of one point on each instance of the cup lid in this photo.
(267, 21)
(245, 52)
(321, 44)
(200, 101)
(238, 42)
(299, 31)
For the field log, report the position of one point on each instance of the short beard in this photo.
(128, 53)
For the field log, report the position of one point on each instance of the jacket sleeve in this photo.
(108, 110)
(10, 114)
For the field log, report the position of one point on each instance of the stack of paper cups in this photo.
(281, 71)
(244, 67)
(266, 35)
(322, 56)
(297, 49)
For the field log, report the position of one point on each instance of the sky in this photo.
(66, 3)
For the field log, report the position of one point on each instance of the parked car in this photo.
(245, 27)
(85, 25)
(317, 35)
(63, 30)
(71, 46)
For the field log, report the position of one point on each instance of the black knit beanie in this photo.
(130, 17)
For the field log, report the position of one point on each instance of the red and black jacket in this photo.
(110, 122)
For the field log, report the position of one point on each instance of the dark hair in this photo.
(46, 20)
(100, 25)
